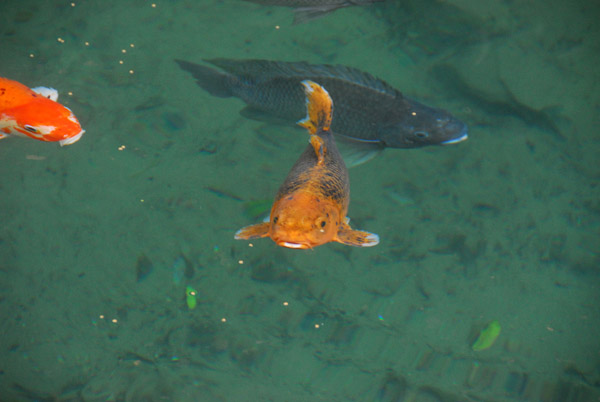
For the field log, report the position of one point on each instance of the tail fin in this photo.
(215, 82)
(319, 108)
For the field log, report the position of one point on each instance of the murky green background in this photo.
(501, 227)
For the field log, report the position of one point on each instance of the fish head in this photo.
(302, 220)
(422, 125)
(44, 120)
(46, 92)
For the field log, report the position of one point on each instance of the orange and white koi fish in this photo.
(311, 205)
(34, 113)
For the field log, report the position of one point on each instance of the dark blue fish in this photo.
(306, 10)
(368, 111)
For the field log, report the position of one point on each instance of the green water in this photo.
(99, 240)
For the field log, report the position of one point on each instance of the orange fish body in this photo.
(34, 113)
(311, 205)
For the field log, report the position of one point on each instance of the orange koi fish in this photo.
(311, 205)
(35, 113)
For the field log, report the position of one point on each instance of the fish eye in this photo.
(320, 223)
(275, 219)
(421, 134)
(31, 129)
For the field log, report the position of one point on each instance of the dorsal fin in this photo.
(264, 70)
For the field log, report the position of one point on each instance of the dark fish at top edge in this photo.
(308, 10)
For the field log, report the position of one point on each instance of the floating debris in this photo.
(487, 336)
(190, 297)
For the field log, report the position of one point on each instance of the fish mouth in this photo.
(69, 141)
(456, 140)
(460, 137)
(292, 245)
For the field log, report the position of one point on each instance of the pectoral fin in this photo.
(253, 231)
(356, 152)
(357, 238)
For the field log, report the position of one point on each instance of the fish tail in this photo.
(319, 108)
(214, 82)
